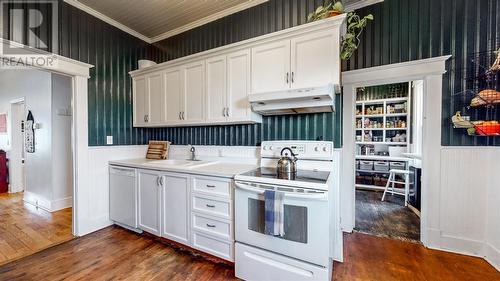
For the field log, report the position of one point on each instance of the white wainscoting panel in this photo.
(469, 201)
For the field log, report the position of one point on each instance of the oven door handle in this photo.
(318, 195)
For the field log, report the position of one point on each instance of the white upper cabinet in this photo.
(174, 88)
(213, 87)
(194, 93)
(156, 98)
(314, 61)
(140, 101)
(271, 67)
(216, 89)
(238, 87)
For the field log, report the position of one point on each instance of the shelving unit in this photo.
(376, 127)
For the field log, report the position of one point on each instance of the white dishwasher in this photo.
(122, 196)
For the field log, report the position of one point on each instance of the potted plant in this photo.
(355, 25)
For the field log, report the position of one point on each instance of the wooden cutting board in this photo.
(158, 150)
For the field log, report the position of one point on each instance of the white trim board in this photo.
(170, 33)
(46, 204)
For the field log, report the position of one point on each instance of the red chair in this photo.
(4, 172)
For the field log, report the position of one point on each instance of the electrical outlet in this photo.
(109, 140)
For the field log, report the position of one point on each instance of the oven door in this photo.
(306, 222)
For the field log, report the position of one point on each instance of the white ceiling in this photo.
(159, 19)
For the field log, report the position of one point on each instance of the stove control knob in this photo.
(270, 147)
(325, 149)
(264, 147)
(316, 149)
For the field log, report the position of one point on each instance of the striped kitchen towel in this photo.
(274, 213)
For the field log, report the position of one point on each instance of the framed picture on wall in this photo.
(3, 123)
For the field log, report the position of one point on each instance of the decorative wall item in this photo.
(30, 133)
(3, 123)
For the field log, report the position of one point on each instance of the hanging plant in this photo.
(326, 11)
(350, 41)
(355, 25)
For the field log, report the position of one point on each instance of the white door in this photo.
(271, 67)
(175, 200)
(174, 91)
(216, 89)
(314, 60)
(194, 93)
(238, 85)
(141, 99)
(156, 92)
(149, 202)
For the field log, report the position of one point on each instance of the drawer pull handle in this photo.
(211, 186)
(210, 225)
(210, 206)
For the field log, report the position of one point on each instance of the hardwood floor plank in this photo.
(118, 254)
(25, 229)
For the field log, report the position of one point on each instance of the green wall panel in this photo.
(403, 30)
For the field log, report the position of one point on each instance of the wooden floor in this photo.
(389, 218)
(25, 230)
(117, 254)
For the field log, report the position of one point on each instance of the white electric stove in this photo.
(304, 252)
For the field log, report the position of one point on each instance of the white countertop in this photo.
(216, 169)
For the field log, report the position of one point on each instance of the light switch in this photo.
(109, 140)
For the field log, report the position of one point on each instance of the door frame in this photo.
(14, 103)
(79, 73)
(430, 71)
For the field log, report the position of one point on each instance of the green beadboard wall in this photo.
(402, 30)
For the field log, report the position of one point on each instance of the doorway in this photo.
(37, 211)
(388, 144)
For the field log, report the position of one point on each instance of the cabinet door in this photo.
(156, 91)
(238, 85)
(141, 99)
(174, 91)
(314, 60)
(149, 202)
(216, 89)
(194, 93)
(271, 67)
(175, 200)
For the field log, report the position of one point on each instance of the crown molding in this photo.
(99, 15)
(243, 6)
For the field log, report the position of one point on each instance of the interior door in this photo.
(149, 202)
(216, 89)
(174, 92)
(175, 199)
(156, 91)
(271, 67)
(238, 85)
(314, 60)
(141, 99)
(194, 93)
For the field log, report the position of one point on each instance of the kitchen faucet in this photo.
(193, 153)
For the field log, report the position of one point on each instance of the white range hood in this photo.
(295, 101)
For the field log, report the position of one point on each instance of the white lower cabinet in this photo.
(196, 211)
(150, 201)
(175, 207)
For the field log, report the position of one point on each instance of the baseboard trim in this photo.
(62, 203)
(37, 201)
(46, 204)
(492, 255)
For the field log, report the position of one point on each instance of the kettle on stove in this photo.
(287, 168)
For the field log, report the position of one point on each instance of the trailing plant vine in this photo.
(355, 25)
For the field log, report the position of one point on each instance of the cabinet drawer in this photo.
(211, 186)
(214, 246)
(212, 206)
(211, 226)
